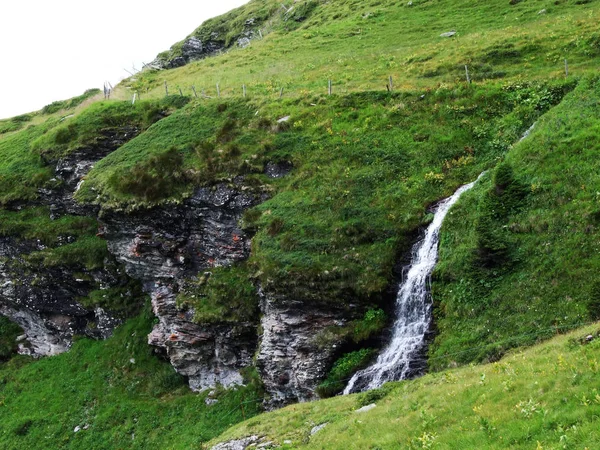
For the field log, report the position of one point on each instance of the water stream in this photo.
(413, 309)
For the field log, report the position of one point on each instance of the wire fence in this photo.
(217, 90)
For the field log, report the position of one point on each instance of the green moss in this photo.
(124, 299)
(35, 223)
(224, 294)
(88, 252)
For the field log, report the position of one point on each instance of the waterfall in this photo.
(413, 309)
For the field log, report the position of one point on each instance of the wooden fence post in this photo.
(329, 87)
(194, 90)
(218, 91)
(467, 73)
(281, 93)
(391, 84)
(166, 88)
(133, 99)
(244, 89)
(180, 92)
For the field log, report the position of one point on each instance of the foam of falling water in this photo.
(527, 133)
(413, 309)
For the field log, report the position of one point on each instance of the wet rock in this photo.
(278, 170)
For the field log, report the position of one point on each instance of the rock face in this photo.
(70, 171)
(292, 359)
(239, 444)
(206, 354)
(195, 48)
(165, 246)
(43, 301)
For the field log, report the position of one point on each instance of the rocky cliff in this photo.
(163, 248)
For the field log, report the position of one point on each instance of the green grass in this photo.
(61, 105)
(14, 124)
(359, 44)
(195, 145)
(118, 391)
(519, 252)
(524, 254)
(22, 171)
(543, 397)
(385, 158)
(224, 294)
(86, 128)
(70, 240)
(35, 224)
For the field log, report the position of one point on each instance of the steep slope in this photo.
(520, 253)
(111, 394)
(269, 229)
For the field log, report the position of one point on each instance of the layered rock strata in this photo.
(164, 247)
(296, 349)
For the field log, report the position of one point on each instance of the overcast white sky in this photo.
(56, 49)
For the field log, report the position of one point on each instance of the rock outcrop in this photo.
(165, 246)
(204, 43)
(44, 301)
(208, 354)
(296, 349)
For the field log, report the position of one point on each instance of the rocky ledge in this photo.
(163, 248)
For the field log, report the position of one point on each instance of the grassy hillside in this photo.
(519, 253)
(358, 44)
(116, 394)
(546, 397)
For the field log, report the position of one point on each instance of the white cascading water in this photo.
(413, 309)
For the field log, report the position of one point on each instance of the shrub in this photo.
(154, 179)
(342, 370)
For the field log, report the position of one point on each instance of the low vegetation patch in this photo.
(223, 294)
